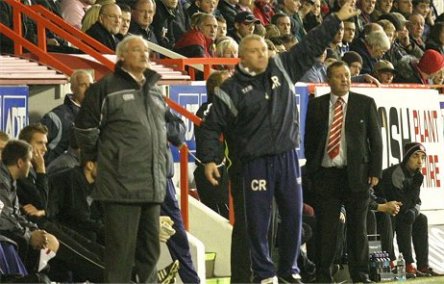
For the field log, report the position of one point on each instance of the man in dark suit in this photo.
(343, 148)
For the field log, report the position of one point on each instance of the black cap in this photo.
(246, 17)
(411, 148)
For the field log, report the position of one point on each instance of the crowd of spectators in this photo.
(397, 31)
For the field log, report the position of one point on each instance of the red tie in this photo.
(334, 138)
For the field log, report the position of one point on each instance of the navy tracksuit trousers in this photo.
(178, 243)
(275, 176)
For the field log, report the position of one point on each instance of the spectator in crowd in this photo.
(227, 48)
(382, 7)
(354, 62)
(402, 182)
(107, 26)
(389, 30)
(263, 10)
(221, 29)
(349, 35)
(367, 7)
(141, 18)
(229, 9)
(288, 41)
(32, 191)
(342, 169)
(314, 18)
(132, 188)
(59, 121)
(203, 6)
(16, 163)
(318, 72)
(405, 7)
(90, 17)
(384, 71)
(416, 30)
(290, 8)
(423, 8)
(126, 21)
(71, 204)
(198, 42)
(253, 147)
(436, 38)
(170, 22)
(4, 138)
(244, 24)
(411, 70)
(335, 47)
(72, 11)
(304, 10)
(215, 197)
(371, 49)
(282, 22)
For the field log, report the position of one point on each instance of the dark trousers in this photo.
(131, 241)
(275, 176)
(332, 191)
(240, 249)
(178, 243)
(416, 232)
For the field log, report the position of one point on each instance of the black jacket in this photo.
(99, 33)
(71, 203)
(258, 114)
(175, 22)
(33, 189)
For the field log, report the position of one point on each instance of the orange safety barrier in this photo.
(79, 39)
(183, 63)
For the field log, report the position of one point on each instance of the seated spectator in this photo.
(244, 24)
(272, 31)
(203, 6)
(354, 62)
(4, 138)
(282, 22)
(16, 163)
(384, 71)
(198, 41)
(272, 50)
(348, 36)
(59, 121)
(227, 48)
(170, 22)
(215, 197)
(410, 70)
(372, 48)
(71, 204)
(423, 8)
(141, 18)
(263, 10)
(416, 30)
(367, 7)
(72, 11)
(335, 46)
(402, 182)
(405, 7)
(382, 7)
(91, 16)
(107, 26)
(314, 18)
(288, 41)
(126, 20)
(436, 39)
(228, 10)
(221, 28)
(389, 30)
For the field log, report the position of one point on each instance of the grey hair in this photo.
(222, 45)
(378, 39)
(77, 73)
(122, 46)
(246, 40)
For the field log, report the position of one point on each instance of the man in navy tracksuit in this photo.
(256, 110)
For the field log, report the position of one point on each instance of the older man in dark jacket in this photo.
(122, 120)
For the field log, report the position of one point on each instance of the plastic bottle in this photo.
(400, 266)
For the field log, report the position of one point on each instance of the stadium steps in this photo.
(210, 260)
(22, 71)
